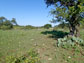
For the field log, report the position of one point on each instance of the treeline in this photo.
(46, 26)
(6, 24)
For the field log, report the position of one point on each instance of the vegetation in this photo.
(13, 21)
(7, 24)
(61, 25)
(30, 27)
(69, 42)
(47, 26)
(15, 43)
(31, 57)
(70, 11)
(47, 43)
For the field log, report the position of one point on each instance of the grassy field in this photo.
(18, 42)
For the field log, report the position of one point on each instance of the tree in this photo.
(7, 24)
(70, 11)
(47, 26)
(30, 27)
(13, 21)
(2, 19)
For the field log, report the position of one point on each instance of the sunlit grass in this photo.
(18, 42)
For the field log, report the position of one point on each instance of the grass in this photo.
(18, 42)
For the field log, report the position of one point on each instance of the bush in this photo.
(67, 42)
(47, 26)
(30, 27)
(6, 25)
(31, 57)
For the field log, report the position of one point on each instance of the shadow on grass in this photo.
(55, 34)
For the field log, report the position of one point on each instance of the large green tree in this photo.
(70, 11)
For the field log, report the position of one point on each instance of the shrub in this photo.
(30, 27)
(67, 42)
(6, 25)
(31, 57)
(47, 26)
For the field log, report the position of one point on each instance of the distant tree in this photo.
(7, 24)
(2, 19)
(71, 11)
(13, 21)
(47, 26)
(29, 27)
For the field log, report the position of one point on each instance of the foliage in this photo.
(30, 27)
(61, 26)
(31, 57)
(47, 26)
(67, 42)
(13, 21)
(82, 24)
(71, 11)
(6, 27)
(27, 27)
(7, 24)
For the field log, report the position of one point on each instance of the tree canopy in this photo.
(70, 11)
(47, 26)
(7, 24)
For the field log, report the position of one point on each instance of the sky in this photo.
(26, 12)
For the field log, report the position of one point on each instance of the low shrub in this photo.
(4, 27)
(31, 57)
(30, 27)
(67, 42)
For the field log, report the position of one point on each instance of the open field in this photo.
(18, 42)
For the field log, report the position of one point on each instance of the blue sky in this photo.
(26, 12)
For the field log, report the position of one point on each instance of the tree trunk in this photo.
(77, 31)
(74, 31)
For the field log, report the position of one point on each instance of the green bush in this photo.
(30, 27)
(31, 57)
(67, 42)
(6, 25)
(47, 26)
